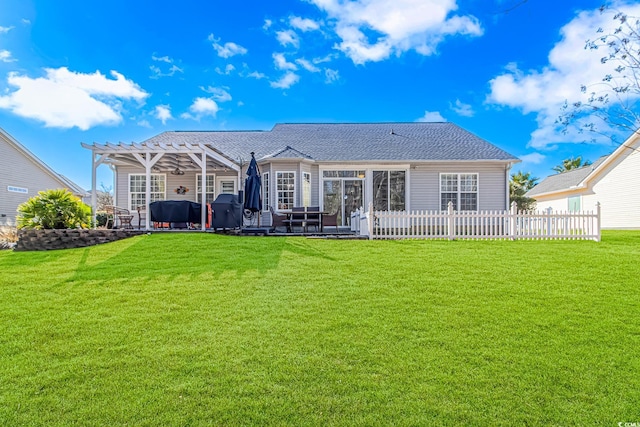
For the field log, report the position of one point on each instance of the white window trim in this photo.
(458, 192)
(266, 190)
(195, 185)
(219, 181)
(295, 190)
(164, 195)
(302, 186)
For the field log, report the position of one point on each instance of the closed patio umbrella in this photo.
(252, 199)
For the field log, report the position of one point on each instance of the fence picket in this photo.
(508, 224)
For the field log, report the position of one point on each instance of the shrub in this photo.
(101, 219)
(54, 209)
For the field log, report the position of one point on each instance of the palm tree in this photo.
(519, 184)
(570, 164)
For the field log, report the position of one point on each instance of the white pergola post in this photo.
(94, 193)
(147, 161)
(202, 162)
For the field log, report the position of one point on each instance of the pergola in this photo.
(156, 157)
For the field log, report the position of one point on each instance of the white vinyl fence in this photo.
(512, 224)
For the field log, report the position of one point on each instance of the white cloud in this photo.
(462, 109)
(288, 37)
(25, 21)
(219, 94)
(432, 116)
(162, 59)
(5, 56)
(399, 25)
(67, 99)
(281, 62)
(286, 81)
(543, 92)
(257, 75)
(267, 24)
(4, 30)
(157, 71)
(532, 158)
(303, 24)
(163, 113)
(307, 65)
(331, 75)
(228, 49)
(145, 124)
(201, 107)
(227, 70)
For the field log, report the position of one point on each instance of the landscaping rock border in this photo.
(46, 240)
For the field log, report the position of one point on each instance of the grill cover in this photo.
(227, 212)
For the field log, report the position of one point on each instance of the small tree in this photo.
(570, 164)
(610, 106)
(54, 209)
(519, 184)
(104, 198)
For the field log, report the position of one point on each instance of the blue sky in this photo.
(81, 71)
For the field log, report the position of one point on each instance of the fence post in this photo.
(451, 221)
(513, 226)
(598, 219)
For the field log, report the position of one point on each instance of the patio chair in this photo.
(330, 220)
(313, 219)
(298, 217)
(118, 217)
(142, 216)
(277, 220)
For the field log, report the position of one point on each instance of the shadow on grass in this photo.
(188, 254)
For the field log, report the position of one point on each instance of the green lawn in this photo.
(201, 329)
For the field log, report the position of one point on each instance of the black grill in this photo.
(227, 212)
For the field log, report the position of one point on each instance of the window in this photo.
(265, 191)
(389, 190)
(138, 189)
(286, 189)
(343, 174)
(210, 188)
(306, 189)
(574, 203)
(228, 186)
(460, 189)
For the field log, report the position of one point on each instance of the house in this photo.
(339, 167)
(613, 181)
(23, 175)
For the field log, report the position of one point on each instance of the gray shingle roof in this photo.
(349, 142)
(564, 180)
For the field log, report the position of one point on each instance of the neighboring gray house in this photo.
(339, 167)
(22, 175)
(613, 181)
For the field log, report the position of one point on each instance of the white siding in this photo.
(557, 205)
(618, 191)
(617, 188)
(20, 170)
(424, 184)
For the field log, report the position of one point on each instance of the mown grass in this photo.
(195, 329)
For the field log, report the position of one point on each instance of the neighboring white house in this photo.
(339, 167)
(23, 175)
(612, 180)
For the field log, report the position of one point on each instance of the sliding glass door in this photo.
(343, 195)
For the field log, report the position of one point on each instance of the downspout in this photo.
(506, 179)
